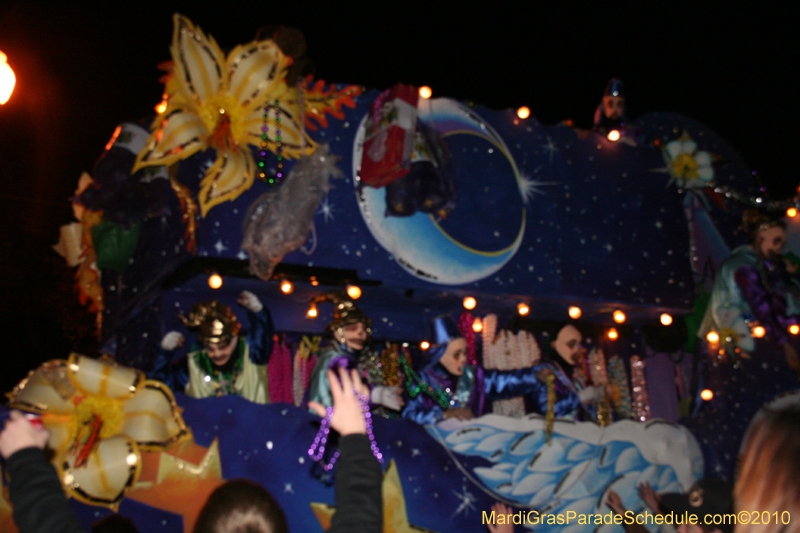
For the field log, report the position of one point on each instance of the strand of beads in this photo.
(262, 153)
(317, 449)
(415, 385)
(278, 144)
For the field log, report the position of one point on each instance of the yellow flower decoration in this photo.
(218, 102)
(100, 415)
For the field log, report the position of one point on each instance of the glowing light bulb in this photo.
(575, 312)
(758, 332)
(712, 336)
(613, 135)
(619, 316)
(791, 212)
(425, 92)
(470, 302)
(7, 79)
(613, 334)
(707, 395)
(424, 345)
(287, 287)
(477, 325)
(354, 291)
(523, 309)
(666, 319)
(794, 329)
(314, 281)
(312, 312)
(523, 112)
(215, 281)
(161, 107)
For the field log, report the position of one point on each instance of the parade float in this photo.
(254, 177)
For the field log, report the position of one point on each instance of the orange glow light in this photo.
(794, 329)
(287, 287)
(791, 212)
(477, 325)
(613, 334)
(215, 281)
(314, 281)
(758, 332)
(613, 135)
(7, 79)
(354, 291)
(161, 107)
(666, 319)
(523, 309)
(712, 336)
(707, 395)
(312, 312)
(523, 112)
(424, 345)
(425, 92)
(619, 317)
(575, 312)
(470, 302)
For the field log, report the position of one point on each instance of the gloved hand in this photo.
(591, 394)
(250, 301)
(172, 340)
(391, 397)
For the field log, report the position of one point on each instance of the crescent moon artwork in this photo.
(451, 251)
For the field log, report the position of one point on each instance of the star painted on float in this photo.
(175, 480)
(219, 247)
(287, 487)
(550, 147)
(395, 517)
(467, 501)
(415, 452)
(326, 209)
(529, 187)
(658, 224)
(241, 255)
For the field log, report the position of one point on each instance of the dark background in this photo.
(83, 68)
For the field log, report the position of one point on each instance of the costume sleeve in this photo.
(763, 304)
(37, 496)
(319, 389)
(502, 384)
(261, 336)
(173, 375)
(423, 410)
(359, 502)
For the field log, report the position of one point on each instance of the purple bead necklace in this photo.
(317, 449)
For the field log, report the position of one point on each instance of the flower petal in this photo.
(231, 174)
(180, 135)
(702, 158)
(256, 73)
(46, 390)
(151, 417)
(674, 149)
(112, 469)
(198, 61)
(688, 146)
(100, 378)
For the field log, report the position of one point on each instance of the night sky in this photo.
(83, 68)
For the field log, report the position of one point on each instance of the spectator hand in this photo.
(391, 397)
(19, 434)
(615, 502)
(508, 527)
(649, 497)
(250, 301)
(347, 418)
(172, 340)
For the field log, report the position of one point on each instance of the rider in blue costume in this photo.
(450, 388)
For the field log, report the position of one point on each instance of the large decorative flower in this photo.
(687, 165)
(734, 332)
(224, 104)
(100, 416)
